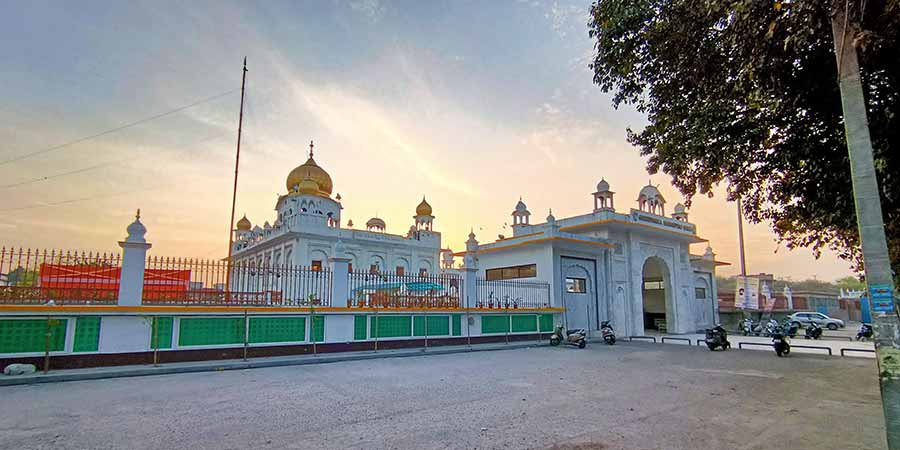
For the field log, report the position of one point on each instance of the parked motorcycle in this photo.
(865, 332)
(609, 336)
(813, 331)
(748, 326)
(771, 328)
(717, 337)
(789, 327)
(781, 342)
(575, 338)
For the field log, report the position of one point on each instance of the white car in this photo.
(804, 318)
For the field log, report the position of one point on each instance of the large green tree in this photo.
(745, 92)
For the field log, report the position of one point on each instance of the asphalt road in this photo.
(630, 396)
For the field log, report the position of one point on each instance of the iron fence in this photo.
(390, 290)
(40, 276)
(511, 294)
(179, 281)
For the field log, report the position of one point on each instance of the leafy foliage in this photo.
(745, 92)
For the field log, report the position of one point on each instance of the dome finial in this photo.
(311, 145)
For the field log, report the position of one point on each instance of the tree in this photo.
(744, 92)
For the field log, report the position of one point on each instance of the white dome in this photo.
(650, 191)
(602, 186)
(520, 207)
(375, 223)
(679, 209)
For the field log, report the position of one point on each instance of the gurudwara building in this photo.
(631, 267)
(308, 225)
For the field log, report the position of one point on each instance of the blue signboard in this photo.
(882, 296)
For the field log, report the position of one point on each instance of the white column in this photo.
(134, 257)
(340, 276)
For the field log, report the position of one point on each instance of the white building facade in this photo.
(633, 269)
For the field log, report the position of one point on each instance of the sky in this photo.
(469, 103)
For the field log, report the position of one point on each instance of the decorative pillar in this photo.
(134, 258)
(340, 276)
(470, 268)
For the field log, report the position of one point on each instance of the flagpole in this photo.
(237, 159)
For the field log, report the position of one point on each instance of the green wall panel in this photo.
(163, 326)
(359, 328)
(29, 335)
(457, 324)
(318, 329)
(523, 324)
(277, 329)
(437, 325)
(87, 334)
(390, 326)
(494, 324)
(211, 331)
(546, 323)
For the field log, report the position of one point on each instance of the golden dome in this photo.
(310, 170)
(308, 186)
(424, 209)
(244, 224)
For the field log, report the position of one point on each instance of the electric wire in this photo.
(116, 129)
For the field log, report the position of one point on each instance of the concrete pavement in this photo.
(630, 396)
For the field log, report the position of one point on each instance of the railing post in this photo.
(134, 259)
(340, 277)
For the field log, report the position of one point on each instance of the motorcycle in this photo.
(781, 343)
(717, 337)
(865, 332)
(575, 338)
(789, 327)
(771, 327)
(609, 336)
(748, 327)
(813, 331)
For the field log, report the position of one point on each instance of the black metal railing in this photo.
(511, 294)
(390, 290)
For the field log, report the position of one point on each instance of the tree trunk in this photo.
(869, 218)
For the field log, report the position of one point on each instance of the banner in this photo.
(746, 292)
(107, 278)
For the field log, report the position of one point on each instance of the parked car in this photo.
(804, 318)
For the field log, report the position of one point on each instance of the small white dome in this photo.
(602, 186)
(375, 223)
(650, 191)
(679, 209)
(520, 207)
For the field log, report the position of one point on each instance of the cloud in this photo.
(371, 10)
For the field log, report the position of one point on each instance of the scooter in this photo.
(609, 336)
(781, 343)
(771, 328)
(813, 331)
(717, 337)
(789, 327)
(748, 326)
(569, 337)
(865, 332)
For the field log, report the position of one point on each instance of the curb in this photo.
(217, 366)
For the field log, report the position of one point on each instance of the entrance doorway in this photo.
(657, 295)
(579, 293)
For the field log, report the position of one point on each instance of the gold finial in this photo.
(311, 145)
(137, 216)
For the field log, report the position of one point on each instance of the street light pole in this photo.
(879, 279)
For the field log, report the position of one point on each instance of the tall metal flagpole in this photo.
(237, 160)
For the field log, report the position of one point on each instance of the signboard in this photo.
(746, 293)
(882, 296)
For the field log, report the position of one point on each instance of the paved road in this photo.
(630, 396)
